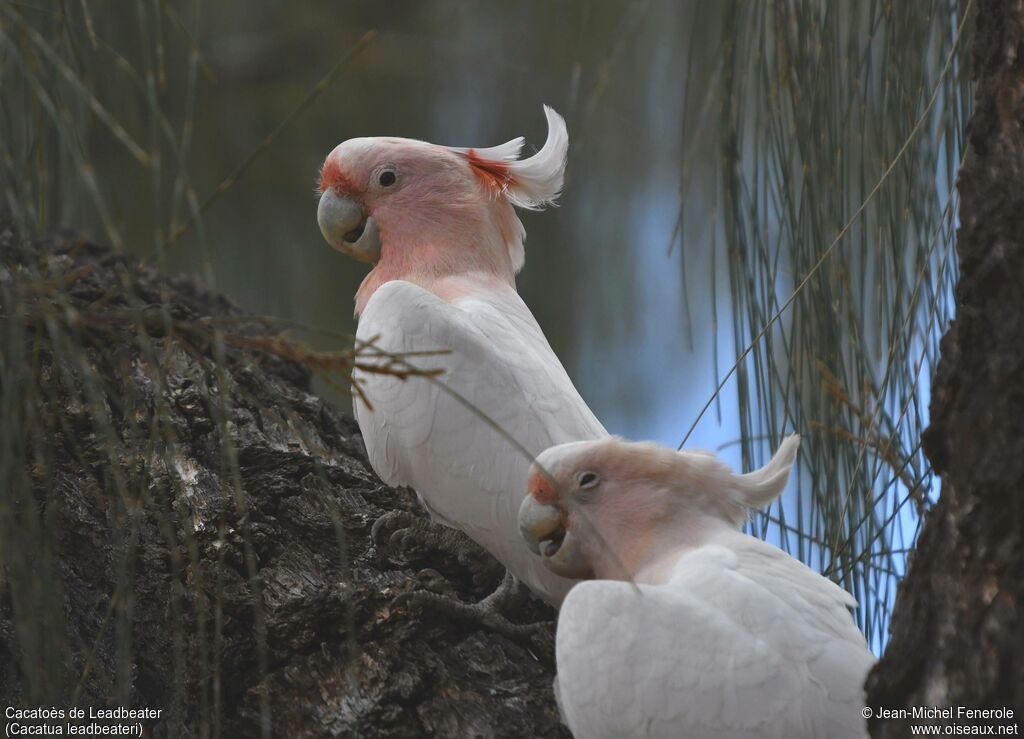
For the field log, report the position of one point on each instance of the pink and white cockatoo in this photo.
(719, 634)
(439, 226)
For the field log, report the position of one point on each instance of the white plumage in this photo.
(722, 635)
(466, 473)
(537, 180)
(742, 642)
(438, 224)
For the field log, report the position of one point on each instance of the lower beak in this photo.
(346, 229)
(539, 523)
(543, 528)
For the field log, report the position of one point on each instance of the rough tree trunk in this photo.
(193, 535)
(958, 635)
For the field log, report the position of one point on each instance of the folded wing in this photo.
(449, 438)
(738, 645)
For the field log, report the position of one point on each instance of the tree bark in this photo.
(184, 525)
(957, 634)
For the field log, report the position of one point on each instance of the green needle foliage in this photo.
(839, 136)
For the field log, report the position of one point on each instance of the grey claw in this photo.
(399, 539)
(484, 613)
(385, 522)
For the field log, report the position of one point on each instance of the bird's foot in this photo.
(487, 612)
(403, 531)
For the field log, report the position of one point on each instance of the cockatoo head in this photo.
(421, 212)
(603, 508)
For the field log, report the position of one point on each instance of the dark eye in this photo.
(589, 479)
(387, 178)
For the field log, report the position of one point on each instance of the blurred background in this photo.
(730, 163)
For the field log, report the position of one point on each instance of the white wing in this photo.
(416, 434)
(739, 644)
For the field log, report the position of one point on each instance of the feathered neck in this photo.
(450, 255)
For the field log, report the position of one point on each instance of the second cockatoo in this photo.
(439, 226)
(719, 635)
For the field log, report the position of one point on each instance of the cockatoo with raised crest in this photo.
(439, 226)
(719, 635)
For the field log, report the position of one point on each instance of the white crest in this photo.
(759, 488)
(528, 183)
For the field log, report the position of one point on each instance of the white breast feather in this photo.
(467, 473)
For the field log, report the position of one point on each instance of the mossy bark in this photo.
(958, 633)
(185, 525)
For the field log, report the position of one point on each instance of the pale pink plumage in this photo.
(451, 213)
(720, 634)
(450, 246)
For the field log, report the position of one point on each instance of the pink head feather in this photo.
(651, 497)
(449, 213)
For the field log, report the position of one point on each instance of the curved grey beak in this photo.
(343, 225)
(538, 522)
(543, 528)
